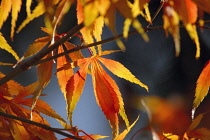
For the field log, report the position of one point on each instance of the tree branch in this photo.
(26, 65)
(46, 127)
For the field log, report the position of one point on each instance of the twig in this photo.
(46, 127)
(26, 65)
(146, 29)
(94, 44)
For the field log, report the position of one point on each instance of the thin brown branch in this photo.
(46, 127)
(26, 65)
(94, 44)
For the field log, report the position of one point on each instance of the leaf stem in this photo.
(46, 127)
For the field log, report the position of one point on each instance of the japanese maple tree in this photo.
(21, 108)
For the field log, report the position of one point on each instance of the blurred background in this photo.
(169, 77)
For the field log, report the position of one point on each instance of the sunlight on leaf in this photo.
(1, 63)
(171, 136)
(38, 11)
(126, 131)
(36, 46)
(122, 72)
(74, 88)
(203, 84)
(65, 74)
(4, 45)
(171, 24)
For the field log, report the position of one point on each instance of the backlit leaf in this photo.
(61, 10)
(126, 131)
(105, 95)
(15, 105)
(16, 5)
(187, 11)
(125, 11)
(202, 87)
(122, 72)
(65, 74)
(44, 72)
(171, 24)
(5, 8)
(4, 45)
(171, 136)
(28, 7)
(1, 63)
(74, 88)
(38, 11)
(75, 55)
(36, 46)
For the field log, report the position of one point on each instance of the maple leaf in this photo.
(203, 84)
(106, 90)
(5, 8)
(54, 11)
(4, 45)
(187, 13)
(171, 24)
(126, 131)
(13, 102)
(38, 11)
(192, 132)
(64, 70)
(90, 17)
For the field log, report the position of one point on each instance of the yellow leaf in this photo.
(126, 131)
(1, 63)
(38, 11)
(194, 36)
(136, 24)
(119, 70)
(5, 8)
(126, 27)
(203, 84)
(123, 7)
(95, 137)
(87, 32)
(171, 24)
(28, 7)
(90, 13)
(4, 45)
(171, 136)
(97, 31)
(16, 5)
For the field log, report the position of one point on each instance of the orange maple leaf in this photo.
(13, 101)
(106, 90)
(186, 11)
(203, 84)
(7, 6)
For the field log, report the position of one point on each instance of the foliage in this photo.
(92, 15)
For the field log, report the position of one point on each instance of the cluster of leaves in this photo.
(91, 15)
